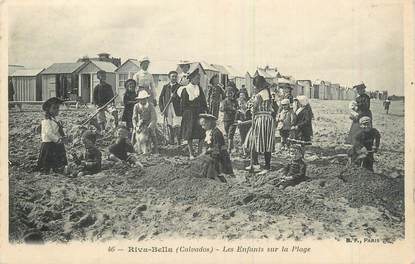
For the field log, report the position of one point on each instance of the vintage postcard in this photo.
(240, 131)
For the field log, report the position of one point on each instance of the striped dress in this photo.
(261, 135)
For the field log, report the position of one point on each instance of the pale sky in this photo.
(343, 42)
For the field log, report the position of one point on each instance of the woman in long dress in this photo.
(193, 102)
(260, 138)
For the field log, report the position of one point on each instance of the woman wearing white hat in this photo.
(145, 80)
(145, 118)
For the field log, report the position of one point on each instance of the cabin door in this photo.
(86, 87)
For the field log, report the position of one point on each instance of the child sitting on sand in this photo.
(285, 120)
(295, 171)
(362, 150)
(122, 150)
(215, 157)
(89, 162)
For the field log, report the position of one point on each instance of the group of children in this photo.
(292, 117)
(53, 156)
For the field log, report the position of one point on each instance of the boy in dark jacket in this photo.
(362, 150)
(102, 94)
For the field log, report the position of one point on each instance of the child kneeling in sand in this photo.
(89, 162)
(215, 158)
(362, 150)
(295, 171)
(122, 150)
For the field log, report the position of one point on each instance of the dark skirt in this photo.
(354, 129)
(52, 156)
(191, 128)
(224, 162)
(127, 115)
(214, 108)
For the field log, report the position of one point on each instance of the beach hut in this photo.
(210, 70)
(61, 80)
(235, 76)
(27, 84)
(88, 78)
(124, 72)
(160, 70)
(270, 74)
(342, 93)
(308, 88)
(335, 91)
(249, 83)
(223, 74)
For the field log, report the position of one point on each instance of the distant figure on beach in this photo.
(386, 105)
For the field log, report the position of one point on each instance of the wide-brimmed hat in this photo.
(145, 58)
(53, 100)
(143, 94)
(365, 120)
(193, 74)
(208, 116)
(130, 81)
(260, 82)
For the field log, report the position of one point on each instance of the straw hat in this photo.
(208, 116)
(145, 58)
(143, 94)
(53, 100)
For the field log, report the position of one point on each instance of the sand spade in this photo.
(98, 110)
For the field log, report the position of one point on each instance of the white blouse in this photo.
(50, 131)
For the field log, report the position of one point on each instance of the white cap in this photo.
(285, 102)
(145, 58)
(142, 95)
(302, 99)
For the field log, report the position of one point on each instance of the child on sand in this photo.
(285, 120)
(295, 171)
(362, 150)
(122, 150)
(52, 150)
(215, 154)
(89, 162)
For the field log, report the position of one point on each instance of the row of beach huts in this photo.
(77, 79)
